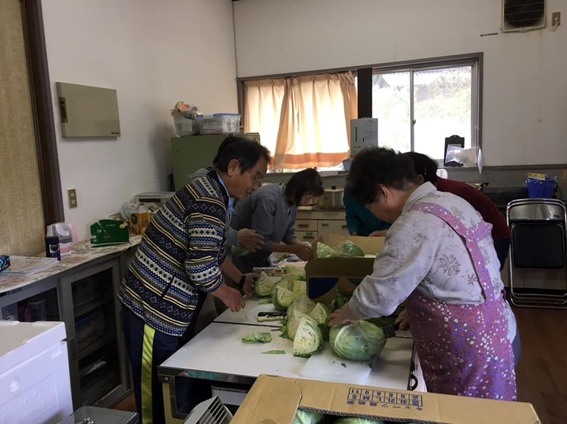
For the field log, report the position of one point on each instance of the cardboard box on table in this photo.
(275, 400)
(326, 275)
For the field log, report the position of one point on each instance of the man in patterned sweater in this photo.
(178, 263)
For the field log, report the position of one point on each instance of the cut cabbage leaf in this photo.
(297, 271)
(299, 287)
(308, 338)
(349, 249)
(258, 337)
(282, 298)
(325, 251)
(274, 352)
(319, 313)
(293, 320)
(302, 303)
(264, 284)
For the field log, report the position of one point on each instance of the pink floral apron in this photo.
(464, 349)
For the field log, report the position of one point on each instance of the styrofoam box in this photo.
(34, 373)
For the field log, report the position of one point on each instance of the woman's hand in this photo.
(250, 239)
(302, 251)
(402, 320)
(248, 287)
(341, 316)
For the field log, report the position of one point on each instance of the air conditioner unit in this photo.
(523, 15)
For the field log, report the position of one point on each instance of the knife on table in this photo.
(271, 316)
(393, 330)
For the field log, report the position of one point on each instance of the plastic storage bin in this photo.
(183, 124)
(541, 188)
(219, 123)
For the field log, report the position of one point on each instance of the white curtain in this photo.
(304, 121)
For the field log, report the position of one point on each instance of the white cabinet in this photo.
(310, 225)
(331, 226)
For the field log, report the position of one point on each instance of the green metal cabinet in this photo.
(192, 152)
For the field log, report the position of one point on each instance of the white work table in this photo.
(217, 355)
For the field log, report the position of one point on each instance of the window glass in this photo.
(391, 105)
(442, 107)
(418, 107)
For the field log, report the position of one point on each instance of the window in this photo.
(419, 105)
(305, 120)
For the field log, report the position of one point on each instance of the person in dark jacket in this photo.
(426, 169)
(360, 221)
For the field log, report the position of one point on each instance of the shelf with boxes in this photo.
(312, 224)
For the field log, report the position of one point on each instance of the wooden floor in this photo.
(542, 371)
(127, 404)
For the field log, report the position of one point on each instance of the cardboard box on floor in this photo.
(325, 275)
(275, 399)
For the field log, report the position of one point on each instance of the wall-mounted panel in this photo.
(86, 111)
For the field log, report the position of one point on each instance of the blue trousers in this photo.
(162, 347)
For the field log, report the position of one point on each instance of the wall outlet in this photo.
(555, 19)
(72, 198)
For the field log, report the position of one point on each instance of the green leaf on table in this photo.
(259, 337)
(274, 352)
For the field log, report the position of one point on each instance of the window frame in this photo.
(473, 59)
(364, 74)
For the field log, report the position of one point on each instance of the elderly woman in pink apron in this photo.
(439, 259)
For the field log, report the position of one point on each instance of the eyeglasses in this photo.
(257, 180)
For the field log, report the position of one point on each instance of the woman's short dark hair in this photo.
(379, 166)
(424, 166)
(304, 182)
(245, 150)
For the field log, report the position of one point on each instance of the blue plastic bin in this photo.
(541, 188)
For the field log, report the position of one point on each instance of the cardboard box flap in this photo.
(267, 400)
(326, 275)
(274, 400)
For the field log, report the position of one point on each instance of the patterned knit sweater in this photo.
(179, 256)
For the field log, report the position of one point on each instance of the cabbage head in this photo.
(296, 271)
(357, 341)
(350, 249)
(325, 251)
(308, 417)
(265, 284)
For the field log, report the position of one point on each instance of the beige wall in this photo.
(22, 229)
(154, 53)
